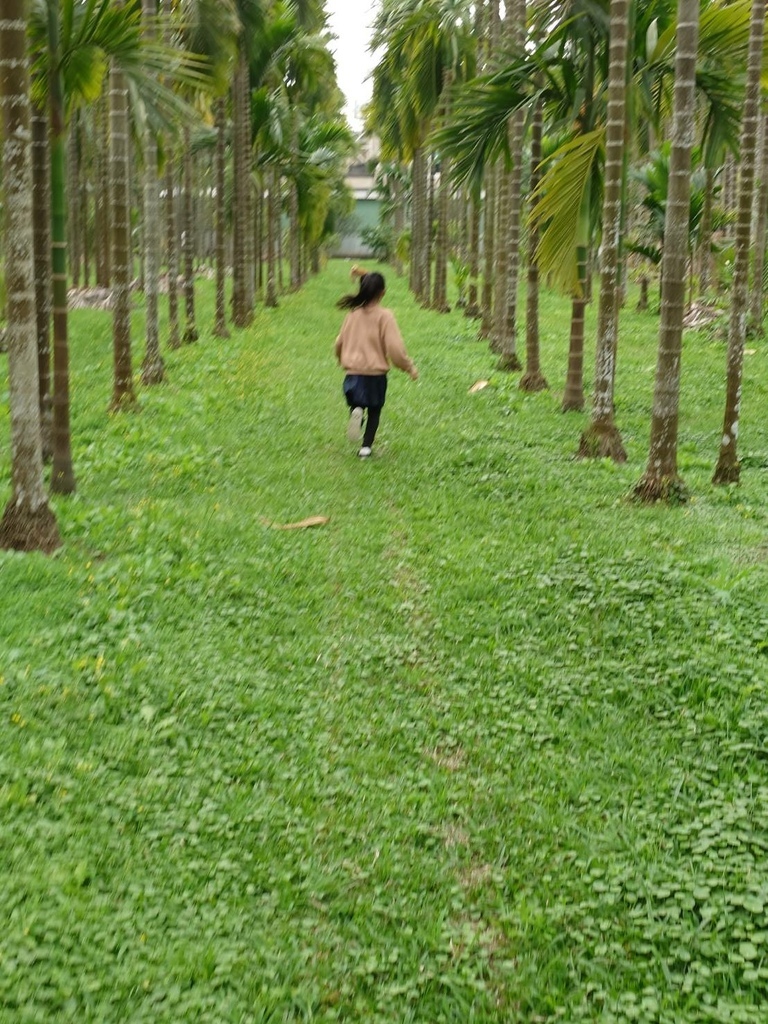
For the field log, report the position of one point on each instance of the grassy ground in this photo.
(488, 746)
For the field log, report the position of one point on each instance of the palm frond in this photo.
(559, 211)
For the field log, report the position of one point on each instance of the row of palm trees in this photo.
(587, 100)
(118, 109)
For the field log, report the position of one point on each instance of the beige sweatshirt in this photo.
(370, 340)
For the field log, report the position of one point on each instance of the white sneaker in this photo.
(364, 453)
(355, 425)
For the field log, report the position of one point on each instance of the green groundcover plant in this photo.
(489, 745)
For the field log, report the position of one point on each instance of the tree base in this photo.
(152, 371)
(26, 529)
(727, 472)
(221, 331)
(174, 341)
(601, 441)
(472, 311)
(532, 381)
(572, 403)
(669, 489)
(239, 319)
(124, 402)
(190, 335)
(440, 307)
(509, 363)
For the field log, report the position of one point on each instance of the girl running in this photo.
(368, 343)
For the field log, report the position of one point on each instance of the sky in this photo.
(350, 21)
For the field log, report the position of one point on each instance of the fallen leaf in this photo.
(301, 525)
(749, 351)
(478, 386)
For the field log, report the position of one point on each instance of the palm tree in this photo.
(727, 469)
(123, 394)
(28, 523)
(41, 212)
(533, 379)
(153, 368)
(602, 437)
(506, 317)
(661, 480)
(220, 329)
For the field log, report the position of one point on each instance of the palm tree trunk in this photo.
(533, 379)
(420, 229)
(242, 308)
(727, 469)
(758, 289)
(172, 257)
(661, 480)
(501, 257)
(705, 244)
(489, 236)
(28, 523)
(62, 473)
(188, 243)
(123, 395)
(103, 268)
(602, 438)
(509, 359)
(153, 368)
(399, 222)
(41, 213)
(73, 205)
(272, 229)
(472, 308)
(220, 329)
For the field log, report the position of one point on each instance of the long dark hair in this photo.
(371, 288)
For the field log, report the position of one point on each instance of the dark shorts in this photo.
(365, 392)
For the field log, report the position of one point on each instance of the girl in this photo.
(368, 343)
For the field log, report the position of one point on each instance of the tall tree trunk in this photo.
(705, 244)
(172, 257)
(153, 368)
(41, 213)
(294, 230)
(533, 379)
(501, 256)
(73, 205)
(756, 307)
(123, 395)
(188, 243)
(399, 223)
(602, 438)
(101, 224)
(472, 308)
(727, 469)
(505, 302)
(242, 270)
(509, 359)
(28, 523)
(440, 290)
(661, 480)
(220, 329)
(273, 226)
(62, 473)
(489, 248)
(85, 207)
(420, 225)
